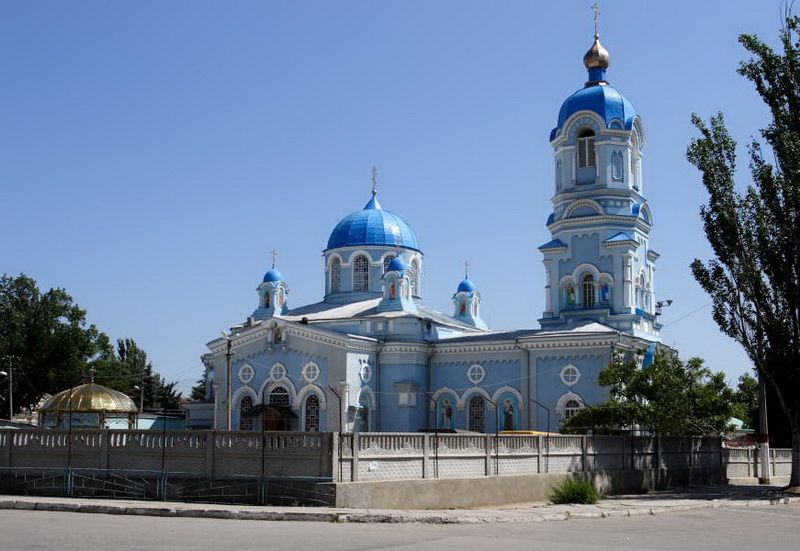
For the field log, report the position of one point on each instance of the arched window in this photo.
(587, 286)
(312, 414)
(245, 421)
(476, 414)
(640, 290)
(266, 299)
(386, 261)
(362, 419)
(413, 276)
(336, 275)
(279, 396)
(586, 148)
(361, 273)
(571, 408)
(616, 165)
(559, 177)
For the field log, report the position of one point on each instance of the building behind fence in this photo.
(297, 467)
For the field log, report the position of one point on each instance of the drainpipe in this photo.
(378, 392)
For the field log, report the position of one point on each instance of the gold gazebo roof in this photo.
(90, 397)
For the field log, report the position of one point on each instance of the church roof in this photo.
(90, 397)
(554, 244)
(373, 226)
(466, 286)
(273, 275)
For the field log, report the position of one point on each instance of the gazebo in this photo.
(88, 406)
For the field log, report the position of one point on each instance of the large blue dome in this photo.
(603, 100)
(373, 226)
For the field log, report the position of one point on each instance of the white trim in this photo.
(562, 403)
(305, 392)
(358, 252)
(477, 380)
(441, 392)
(270, 385)
(509, 390)
(310, 379)
(249, 391)
(583, 203)
(564, 369)
(366, 391)
(469, 393)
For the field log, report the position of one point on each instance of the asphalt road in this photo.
(761, 529)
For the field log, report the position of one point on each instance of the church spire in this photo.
(597, 59)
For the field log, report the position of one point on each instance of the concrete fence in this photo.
(746, 462)
(408, 456)
(210, 454)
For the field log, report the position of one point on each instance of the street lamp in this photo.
(228, 379)
(662, 304)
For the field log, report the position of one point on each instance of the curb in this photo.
(367, 517)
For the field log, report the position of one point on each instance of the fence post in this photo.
(539, 454)
(335, 457)
(8, 443)
(426, 459)
(354, 462)
(773, 471)
(210, 445)
(658, 452)
(487, 450)
(104, 445)
(584, 452)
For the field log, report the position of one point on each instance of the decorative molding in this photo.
(509, 390)
(308, 390)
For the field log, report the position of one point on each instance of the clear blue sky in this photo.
(153, 153)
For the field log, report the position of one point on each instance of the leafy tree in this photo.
(668, 397)
(745, 401)
(53, 348)
(754, 279)
(48, 338)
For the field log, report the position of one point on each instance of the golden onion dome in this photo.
(90, 397)
(597, 57)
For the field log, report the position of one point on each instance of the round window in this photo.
(246, 374)
(277, 372)
(570, 375)
(365, 373)
(311, 372)
(476, 374)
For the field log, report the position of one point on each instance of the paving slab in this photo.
(700, 497)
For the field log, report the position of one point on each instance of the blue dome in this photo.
(603, 100)
(273, 275)
(466, 286)
(373, 226)
(397, 265)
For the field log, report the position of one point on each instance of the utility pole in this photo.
(763, 433)
(228, 380)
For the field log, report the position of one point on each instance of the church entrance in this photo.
(277, 418)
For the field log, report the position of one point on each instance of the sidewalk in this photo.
(700, 497)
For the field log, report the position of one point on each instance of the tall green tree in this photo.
(52, 348)
(47, 338)
(667, 397)
(754, 279)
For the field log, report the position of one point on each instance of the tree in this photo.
(667, 397)
(754, 279)
(53, 348)
(745, 401)
(199, 389)
(48, 338)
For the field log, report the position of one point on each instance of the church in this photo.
(371, 356)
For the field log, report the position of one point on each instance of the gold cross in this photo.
(596, 10)
(466, 269)
(274, 257)
(374, 173)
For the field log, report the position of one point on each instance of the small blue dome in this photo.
(603, 100)
(373, 226)
(466, 286)
(273, 275)
(397, 265)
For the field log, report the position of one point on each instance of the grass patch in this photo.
(574, 490)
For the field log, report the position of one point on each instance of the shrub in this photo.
(574, 490)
